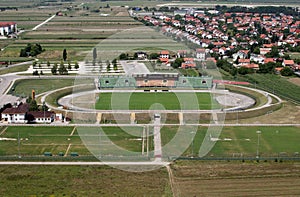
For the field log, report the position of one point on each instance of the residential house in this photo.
(7, 28)
(188, 63)
(243, 62)
(164, 56)
(40, 117)
(289, 63)
(201, 54)
(252, 66)
(15, 114)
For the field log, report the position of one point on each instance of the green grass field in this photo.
(233, 141)
(25, 86)
(274, 141)
(145, 101)
(37, 140)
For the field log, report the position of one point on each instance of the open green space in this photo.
(24, 87)
(159, 101)
(242, 141)
(36, 140)
(81, 181)
(278, 85)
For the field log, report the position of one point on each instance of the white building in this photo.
(7, 28)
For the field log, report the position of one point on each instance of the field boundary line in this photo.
(172, 183)
(73, 131)
(67, 150)
(3, 130)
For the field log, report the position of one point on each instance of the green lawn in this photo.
(24, 87)
(37, 140)
(274, 141)
(145, 101)
(84, 141)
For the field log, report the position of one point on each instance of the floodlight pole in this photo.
(44, 112)
(257, 149)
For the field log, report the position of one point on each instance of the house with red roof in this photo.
(289, 63)
(164, 56)
(188, 63)
(7, 28)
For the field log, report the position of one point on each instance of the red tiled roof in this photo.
(21, 109)
(254, 66)
(288, 62)
(244, 60)
(6, 24)
(165, 60)
(165, 52)
(41, 114)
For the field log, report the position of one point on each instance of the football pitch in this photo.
(155, 101)
(35, 141)
(233, 142)
(243, 141)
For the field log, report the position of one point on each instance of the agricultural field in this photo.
(199, 178)
(160, 101)
(78, 29)
(81, 181)
(242, 141)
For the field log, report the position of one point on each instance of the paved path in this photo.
(157, 138)
(43, 23)
(134, 67)
(80, 163)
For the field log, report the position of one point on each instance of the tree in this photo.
(65, 55)
(69, 66)
(62, 69)
(35, 72)
(33, 106)
(23, 53)
(286, 71)
(48, 64)
(244, 70)
(177, 63)
(267, 68)
(153, 56)
(54, 69)
(107, 65)
(94, 54)
(256, 50)
(123, 56)
(76, 65)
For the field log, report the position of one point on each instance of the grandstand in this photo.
(168, 80)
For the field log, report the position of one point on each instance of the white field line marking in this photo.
(143, 142)
(73, 131)
(67, 150)
(3, 130)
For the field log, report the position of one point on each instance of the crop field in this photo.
(196, 178)
(81, 181)
(34, 141)
(242, 141)
(159, 101)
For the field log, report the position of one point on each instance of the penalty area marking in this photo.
(67, 150)
(3, 130)
(73, 131)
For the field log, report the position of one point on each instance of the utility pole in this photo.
(257, 149)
